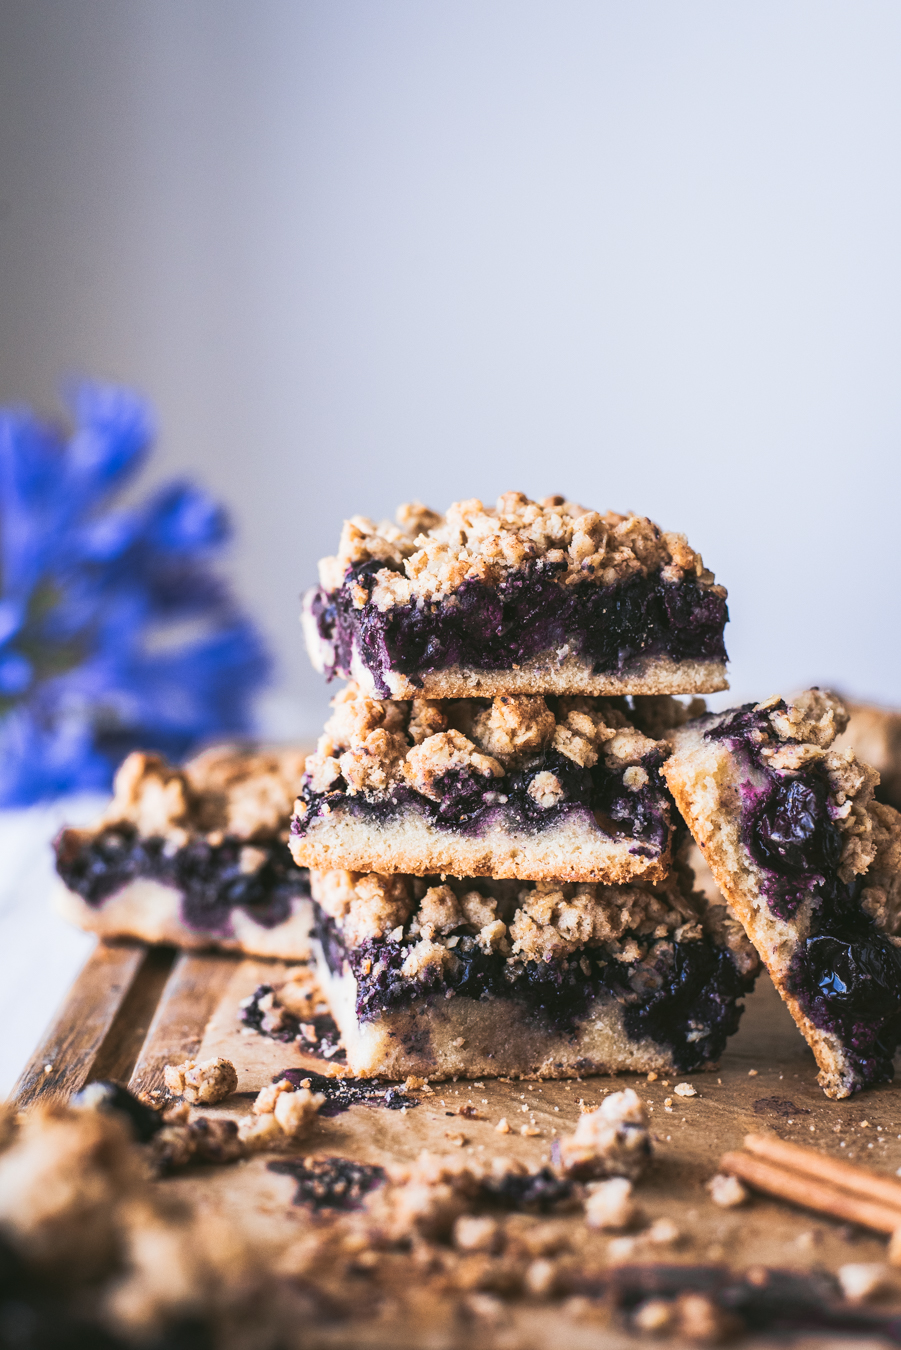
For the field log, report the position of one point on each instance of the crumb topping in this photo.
(612, 1141)
(881, 897)
(370, 745)
(427, 557)
(799, 734)
(805, 729)
(204, 1084)
(226, 791)
(537, 921)
(282, 1114)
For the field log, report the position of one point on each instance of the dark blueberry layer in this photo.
(319, 1036)
(330, 1183)
(145, 1121)
(208, 876)
(469, 802)
(527, 614)
(685, 1001)
(846, 974)
(342, 1093)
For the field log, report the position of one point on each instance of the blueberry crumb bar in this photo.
(196, 856)
(517, 786)
(809, 862)
(522, 598)
(536, 979)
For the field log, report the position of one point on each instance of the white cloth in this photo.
(40, 954)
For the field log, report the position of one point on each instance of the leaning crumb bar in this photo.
(196, 857)
(522, 598)
(809, 863)
(543, 979)
(517, 786)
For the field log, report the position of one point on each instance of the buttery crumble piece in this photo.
(727, 1191)
(282, 1114)
(611, 1141)
(201, 1084)
(204, 1139)
(609, 1204)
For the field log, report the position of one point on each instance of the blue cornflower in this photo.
(115, 629)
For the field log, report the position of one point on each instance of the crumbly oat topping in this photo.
(612, 1141)
(365, 905)
(204, 1084)
(801, 734)
(727, 1191)
(373, 745)
(524, 921)
(427, 557)
(609, 1205)
(881, 897)
(554, 919)
(228, 790)
(427, 763)
(282, 1114)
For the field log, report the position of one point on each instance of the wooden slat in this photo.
(189, 1000)
(63, 1061)
(122, 1045)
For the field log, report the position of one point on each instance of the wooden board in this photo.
(132, 1010)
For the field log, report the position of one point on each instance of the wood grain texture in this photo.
(191, 994)
(63, 1061)
(118, 1055)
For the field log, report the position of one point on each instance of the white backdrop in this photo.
(646, 254)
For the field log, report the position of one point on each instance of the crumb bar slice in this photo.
(522, 598)
(517, 786)
(809, 862)
(196, 857)
(539, 979)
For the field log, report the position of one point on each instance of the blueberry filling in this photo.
(846, 974)
(530, 612)
(318, 1035)
(112, 1098)
(328, 1182)
(343, 1093)
(469, 803)
(208, 876)
(685, 999)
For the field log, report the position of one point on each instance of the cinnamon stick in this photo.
(847, 1176)
(802, 1189)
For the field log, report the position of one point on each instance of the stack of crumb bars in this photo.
(494, 829)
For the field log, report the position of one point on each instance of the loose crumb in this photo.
(727, 1192)
(201, 1084)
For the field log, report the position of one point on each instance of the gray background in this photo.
(646, 254)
